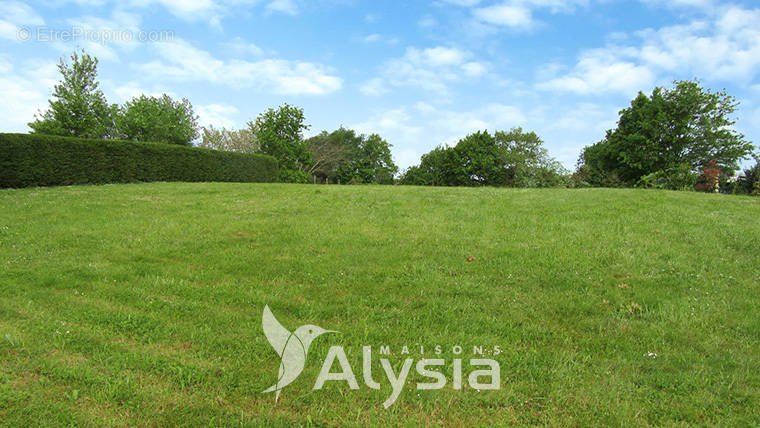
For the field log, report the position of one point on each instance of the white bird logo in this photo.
(291, 347)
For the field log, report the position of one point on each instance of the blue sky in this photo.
(419, 73)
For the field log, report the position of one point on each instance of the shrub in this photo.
(46, 160)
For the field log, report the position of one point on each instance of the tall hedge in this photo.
(45, 160)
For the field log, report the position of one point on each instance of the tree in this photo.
(370, 161)
(241, 140)
(79, 108)
(527, 161)
(513, 159)
(280, 134)
(343, 156)
(671, 135)
(329, 153)
(158, 119)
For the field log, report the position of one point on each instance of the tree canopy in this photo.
(157, 119)
(512, 159)
(78, 107)
(240, 140)
(343, 156)
(279, 133)
(671, 134)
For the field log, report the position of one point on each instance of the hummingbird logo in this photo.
(291, 347)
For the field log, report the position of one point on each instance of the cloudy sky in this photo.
(419, 73)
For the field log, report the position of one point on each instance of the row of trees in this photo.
(341, 156)
(79, 109)
(679, 138)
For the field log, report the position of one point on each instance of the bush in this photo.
(46, 160)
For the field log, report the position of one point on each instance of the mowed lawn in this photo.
(133, 305)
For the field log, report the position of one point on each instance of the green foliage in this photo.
(668, 134)
(45, 160)
(157, 120)
(371, 161)
(241, 140)
(280, 134)
(330, 152)
(511, 159)
(678, 178)
(79, 108)
(343, 156)
(749, 182)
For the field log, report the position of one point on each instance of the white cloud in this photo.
(24, 94)
(218, 115)
(431, 69)
(509, 15)
(288, 7)
(602, 70)
(132, 90)
(438, 56)
(241, 47)
(724, 49)
(182, 61)
(13, 16)
(518, 14)
(474, 69)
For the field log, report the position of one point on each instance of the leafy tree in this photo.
(280, 134)
(330, 151)
(441, 166)
(241, 140)
(343, 156)
(514, 158)
(79, 108)
(158, 119)
(670, 134)
(527, 161)
(371, 161)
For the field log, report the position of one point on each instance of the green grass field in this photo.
(133, 305)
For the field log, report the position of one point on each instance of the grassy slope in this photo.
(157, 292)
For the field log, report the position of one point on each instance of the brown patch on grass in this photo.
(470, 259)
(624, 286)
(25, 379)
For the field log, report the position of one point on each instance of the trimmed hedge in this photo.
(46, 160)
